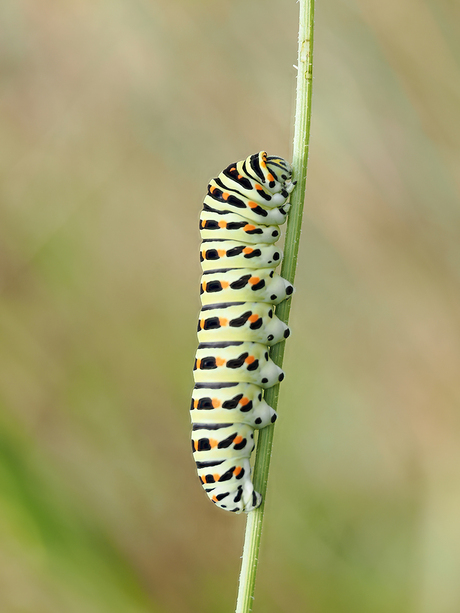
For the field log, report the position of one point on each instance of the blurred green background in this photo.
(113, 116)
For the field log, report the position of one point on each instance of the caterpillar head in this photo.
(280, 168)
(277, 173)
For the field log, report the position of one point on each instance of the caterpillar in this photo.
(239, 226)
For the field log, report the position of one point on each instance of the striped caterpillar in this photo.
(239, 225)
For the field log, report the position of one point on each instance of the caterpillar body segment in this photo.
(224, 439)
(218, 225)
(239, 225)
(230, 403)
(244, 284)
(250, 209)
(235, 254)
(248, 321)
(236, 193)
(234, 362)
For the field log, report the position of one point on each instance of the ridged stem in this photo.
(291, 248)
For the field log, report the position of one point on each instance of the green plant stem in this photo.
(291, 248)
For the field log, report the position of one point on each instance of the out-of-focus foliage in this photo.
(113, 116)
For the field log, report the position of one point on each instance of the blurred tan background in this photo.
(113, 116)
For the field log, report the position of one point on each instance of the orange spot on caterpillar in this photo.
(252, 204)
(198, 364)
(203, 253)
(220, 361)
(221, 252)
(238, 440)
(225, 195)
(212, 189)
(244, 401)
(195, 445)
(250, 359)
(203, 285)
(253, 318)
(259, 187)
(213, 443)
(222, 224)
(254, 280)
(215, 403)
(270, 177)
(224, 284)
(202, 323)
(214, 498)
(195, 404)
(240, 176)
(223, 322)
(216, 477)
(247, 250)
(248, 227)
(237, 471)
